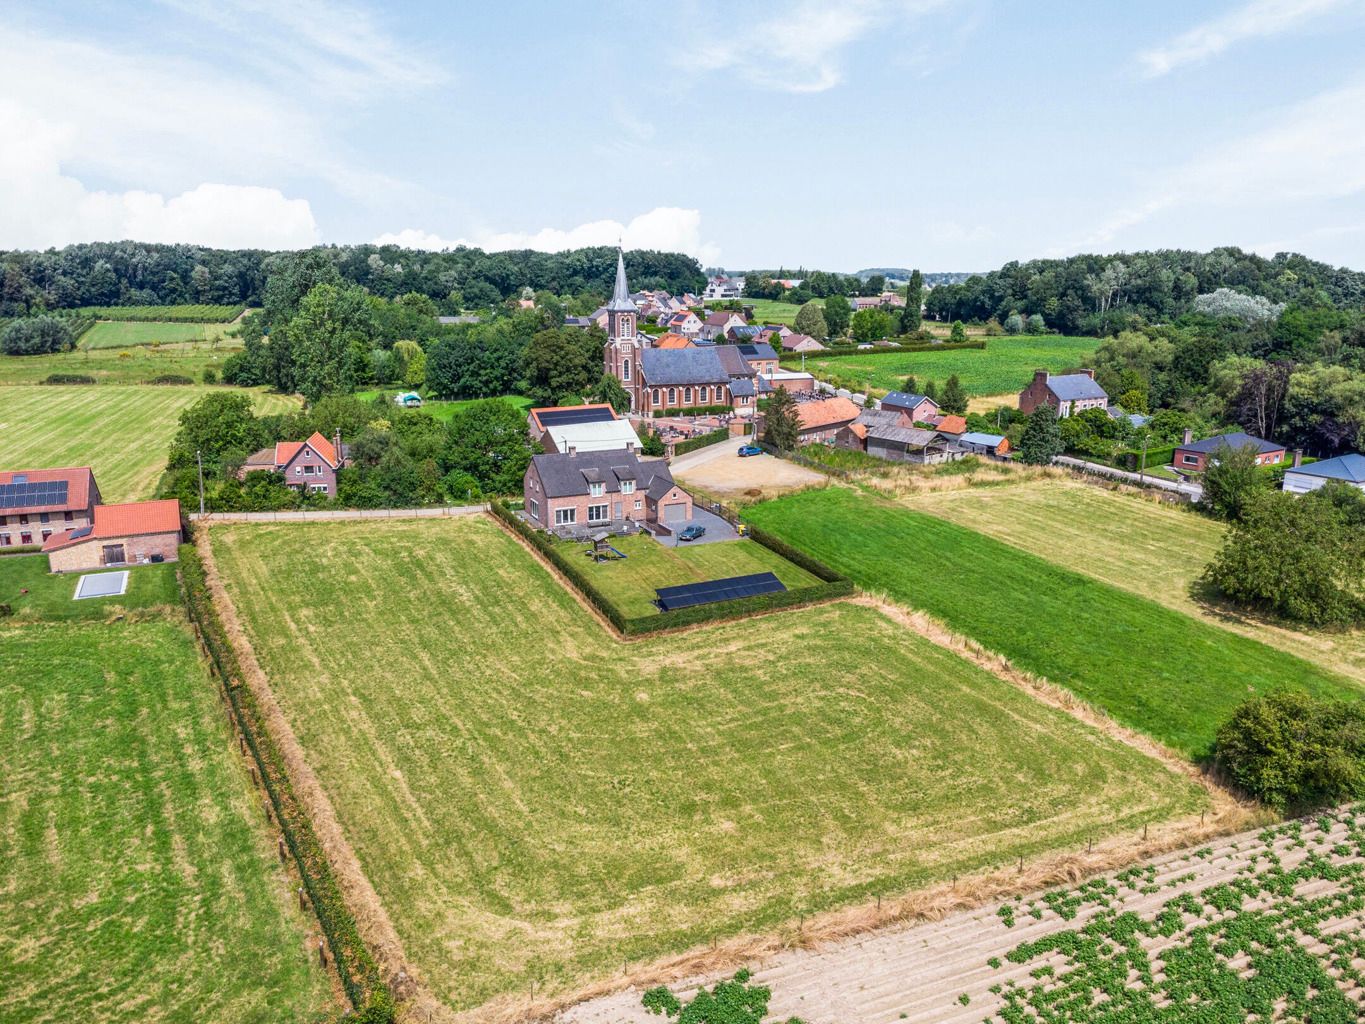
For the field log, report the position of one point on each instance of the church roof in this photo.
(620, 295)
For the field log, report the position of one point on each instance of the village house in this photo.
(568, 493)
(309, 465)
(822, 420)
(133, 534)
(920, 408)
(722, 288)
(1068, 393)
(686, 323)
(666, 341)
(1348, 469)
(949, 426)
(581, 428)
(1196, 455)
(36, 504)
(800, 343)
(854, 435)
(717, 324)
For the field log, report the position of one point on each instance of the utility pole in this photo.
(1142, 471)
(199, 458)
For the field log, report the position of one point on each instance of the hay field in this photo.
(536, 802)
(139, 883)
(123, 432)
(1134, 543)
(128, 333)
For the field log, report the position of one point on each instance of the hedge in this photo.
(694, 410)
(182, 314)
(918, 346)
(1155, 457)
(832, 585)
(701, 441)
(171, 378)
(68, 378)
(355, 965)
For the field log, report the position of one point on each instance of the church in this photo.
(674, 379)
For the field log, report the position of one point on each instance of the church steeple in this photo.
(620, 295)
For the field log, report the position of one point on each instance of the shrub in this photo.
(1292, 750)
(702, 441)
(36, 335)
(210, 375)
(1232, 480)
(68, 378)
(729, 1002)
(171, 378)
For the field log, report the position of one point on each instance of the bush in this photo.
(68, 378)
(171, 378)
(1294, 751)
(36, 335)
(1231, 482)
(729, 1002)
(210, 375)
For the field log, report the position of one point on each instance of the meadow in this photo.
(1004, 365)
(139, 882)
(132, 365)
(1129, 541)
(122, 432)
(535, 802)
(440, 410)
(108, 334)
(197, 314)
(1150, 667)
(770, 311)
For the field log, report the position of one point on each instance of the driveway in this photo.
(719, 470)
(717, 529)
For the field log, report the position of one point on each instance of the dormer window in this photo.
(627, 486)
(596, 490)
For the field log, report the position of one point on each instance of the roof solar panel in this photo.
(564, 417)
(27, 495)
(730, 589)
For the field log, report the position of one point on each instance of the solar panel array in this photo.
(32, 494)
(564, 417)
(689, 594)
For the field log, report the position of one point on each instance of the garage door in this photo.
(676, 513)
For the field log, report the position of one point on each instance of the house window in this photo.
(318, 488)
(672, 396)
(298, 470)
(4, 520)
(627, 486)
(66, 517)
(1189, 460)
(625, 370)
(23, 519)
(308, 453)
(43, 517)
(598, 514)
(5, 541)
(639, 504)
(47, 534)
(534, 507)
(595, 490)
(566, 516)
(26, 537)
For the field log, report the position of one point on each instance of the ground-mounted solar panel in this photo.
(567, 417)
(732, 588)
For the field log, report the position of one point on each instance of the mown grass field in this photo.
(1154, 550)
(129, 333)
(1152, 668)
(123, 432)
(630, 583)
(443, 411)
(534, 801)
(1004, 365)
(139, 883)
(122, 365)
(770, 311)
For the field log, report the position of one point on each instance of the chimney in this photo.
(1298, 457)
(1089, 373)
(1189, 436)
(573, 449)
(1040, 376)
(336, 444)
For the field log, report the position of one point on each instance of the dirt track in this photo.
(719, 470)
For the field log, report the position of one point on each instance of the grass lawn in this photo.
(49, 594)
(533, 800)
(1154, 550)
(119, 366)
(1150, 667)
(770, 311)
(139, 884)
(630, 583)
(123, 432)
(1004, 365)
(443, 411)
(125, 334)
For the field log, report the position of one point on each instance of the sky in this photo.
(951, 135)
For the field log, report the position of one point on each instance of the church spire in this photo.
(620, 295)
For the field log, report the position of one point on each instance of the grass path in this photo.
(1151, 549)
(123, 432)
(533, 800)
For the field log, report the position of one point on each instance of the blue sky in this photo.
(944, 134)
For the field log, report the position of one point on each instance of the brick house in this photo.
(131, 534)
(1068, 393)
(36, 504)
(581, 428)
(717, 324)
(309, 465)
(918, 407)
(1196, 455)
(822, 420)
(568, 493)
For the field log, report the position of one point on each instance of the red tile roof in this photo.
(130, 520)
(80, 482)
(952, 425)
(815, 415)
(286, 450)
(672, 341)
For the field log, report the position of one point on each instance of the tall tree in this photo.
(609, 390)
(914, 299)
(331, 327)
(954, 400)
(810, 319)
(1042, 439)
(562, 363)
(781, 423)
(838, 313)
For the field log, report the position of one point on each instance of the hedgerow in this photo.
(188, 314)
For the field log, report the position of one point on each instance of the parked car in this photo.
(746, 450)
(693, 532)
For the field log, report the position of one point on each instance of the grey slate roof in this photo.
(672, 366)
(1240, 439)
(761, 350)
(912, 437)
(733, 360)
(742, 387)
(1075, 387)
(903, 400)
(1349, 467)
(879, 417)
(620, 295)
(565, 476)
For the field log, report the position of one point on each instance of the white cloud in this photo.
(801, 45)
(669, 228)
(1313, 151)
(1256, 20)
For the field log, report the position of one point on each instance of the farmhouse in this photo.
(581, 428)
(1067, 393)
(309, 465)
(854, 435)
(131, 534)
(950, 426)
(602, 489)
(1349, 469)
(985, 444)
(35, 504)
(821, 421)
(918, 407)
(1196, 455)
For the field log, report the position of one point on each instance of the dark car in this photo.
(749, 449)
(693, 532)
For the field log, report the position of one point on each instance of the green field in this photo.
(630, 583)
(35, 594)
(443, 411)
(1004, 365)
(1134, 543)
(535, 801)
(198, 314)
(770, 311)
(119, 366)
(131, 333)
(122, 432)
(1152, 668)
(139, 883)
